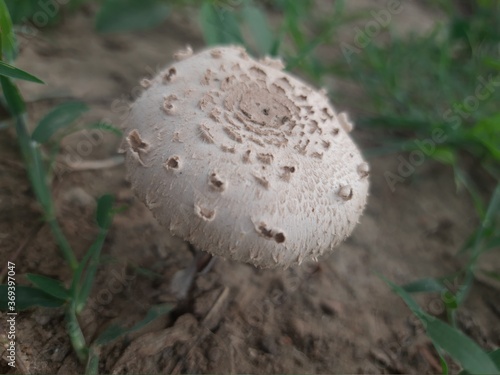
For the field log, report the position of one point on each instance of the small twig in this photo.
(23, 368)
(424, 351)
(210, 320)
(208, 324)
(32, 234)
(95, 164)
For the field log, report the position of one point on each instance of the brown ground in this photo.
(334, 316)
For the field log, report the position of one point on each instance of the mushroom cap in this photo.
(244, 160)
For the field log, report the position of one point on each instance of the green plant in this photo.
(48, 292)
(412, 87)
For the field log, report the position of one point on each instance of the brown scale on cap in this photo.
(204, 213)
(169, 76)
(168, 104)
(216, 182)
(256, 143)
(173, 163)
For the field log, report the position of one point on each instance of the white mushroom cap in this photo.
(245, 161)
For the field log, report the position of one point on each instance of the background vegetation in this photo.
(412, 89)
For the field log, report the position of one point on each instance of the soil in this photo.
(334, 316)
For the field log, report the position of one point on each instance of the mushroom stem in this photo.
(204, 261)
(183, 280)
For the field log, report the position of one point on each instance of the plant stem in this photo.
(63, 243)
(76, 335)
(37, 175)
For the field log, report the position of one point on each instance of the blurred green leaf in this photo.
(493, 63)
(463, 179)
(85, 274)
(15, 102)
(7, 37)
(487, 132)
(495, 356)
(113, 332)
(445, 155)
(130, 15)
(35, 12)
(59, 117)
(219, 25)
(494, 275)
(105, 127)
(104, 211)
(444, 365)
(259, 28)
(27, 297)
(92, 366)
(461, 348)
(425, 285)
(488, 226)
(13, 72)
(50, 286)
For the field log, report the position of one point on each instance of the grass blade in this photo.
(425, 285)
(219, 25)
(259, 28)
(495, 357)
(76, 335)
(85, 274)
(50, 286)
(104, 213)
(35, 168)
(114, 331)
(460, 347)
(58, 118)
(105, 127)
(27, 296)
(130, 15)
(13, 72)
(7, 38)
(15, 102)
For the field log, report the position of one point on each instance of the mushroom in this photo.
(243, 160)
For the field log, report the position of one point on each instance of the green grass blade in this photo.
(492, 274)
(486, 231)
(219, 25)
(89, 266)
(50, 286)
(410, 302)
(130, 15)
(13, 72)
(7, 38)
(427, 285)
(114, 332)
(76, 335)
(105, 127)
(27, 297)
(460, 347)
(444, 365)
(495, 357)
(92, 366)
(85, 274)
(15, 102)
(58, 118)
(104, 213)
(259, 28)
(35, 167)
